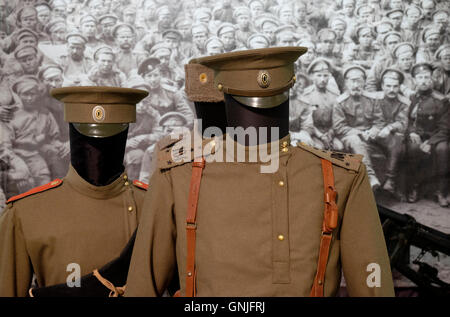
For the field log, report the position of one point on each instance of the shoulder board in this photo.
(140, 184)
(437, 95)
(373, 94)
(53, 184)
(175, 154)
(342, 97)
(404, 100)
(308, 90)
(167, 141)
(345, 160)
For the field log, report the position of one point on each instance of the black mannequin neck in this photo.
(99, 161)
(240, 115)
(212, 114)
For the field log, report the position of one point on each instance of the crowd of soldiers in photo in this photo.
(374, 80)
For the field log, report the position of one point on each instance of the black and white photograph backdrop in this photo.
(374, 81)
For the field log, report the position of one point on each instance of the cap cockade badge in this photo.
(98, 113)
(263, 78)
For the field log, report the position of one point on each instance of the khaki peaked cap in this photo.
(254, 73)
(97, 104)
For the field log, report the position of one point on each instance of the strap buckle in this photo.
(191, 225)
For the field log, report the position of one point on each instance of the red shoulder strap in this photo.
(140, 184)
(36, 190)
(330, 218)
(191, 226)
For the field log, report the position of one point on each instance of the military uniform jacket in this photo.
(259, 234)
(71, 221)
(353, 116)
(429, 117)
(324, 102)
(394, 113)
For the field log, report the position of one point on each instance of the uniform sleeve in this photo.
(441, 132)
(153, 262)
(363, 248)
(15, 266)
(340, 125)
(401, 120)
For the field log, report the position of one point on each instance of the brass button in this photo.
(189, 274)
(284, 150)
(130, 208)
(281, 183)
(285, 144)
(220, 87)
(294, 78)
(126, 183)
(125, 177)
(280, 237)
(203, 78)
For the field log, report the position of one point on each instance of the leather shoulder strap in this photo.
(330, 219)
(191, 225)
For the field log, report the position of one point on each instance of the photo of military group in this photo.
(374, 80)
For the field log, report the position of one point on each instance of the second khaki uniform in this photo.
(70, 223)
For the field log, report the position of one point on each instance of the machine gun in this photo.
(402, 231)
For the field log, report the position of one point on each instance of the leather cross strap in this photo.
(330, 218)
(191, 226)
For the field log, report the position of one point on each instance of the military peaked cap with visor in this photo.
(99, 111)
(251, 76)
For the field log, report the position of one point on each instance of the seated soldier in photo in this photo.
(355, 118)
(427, 134)
(35, 131)
(393, 110)
(322, 100)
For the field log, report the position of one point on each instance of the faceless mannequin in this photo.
(244, 116)
(99, 161)
(212, 114)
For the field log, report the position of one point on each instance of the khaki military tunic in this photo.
(259, 234)
(71, 222)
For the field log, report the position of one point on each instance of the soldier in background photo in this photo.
(393, 110)
(105, 72)
(76, 66)
(356, 117)
(322, 99)
(163, 98)
(427, 135)
(52, 76)
(441, 74)
(126, 60)
(33, 129)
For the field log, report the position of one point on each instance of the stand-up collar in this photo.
(98, 192)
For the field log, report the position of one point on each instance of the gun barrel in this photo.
(423, 236)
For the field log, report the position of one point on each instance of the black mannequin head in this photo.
(213, 114)
(99, 161)
(245, 116)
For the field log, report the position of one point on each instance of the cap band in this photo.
(254, 84)
(99, 113)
